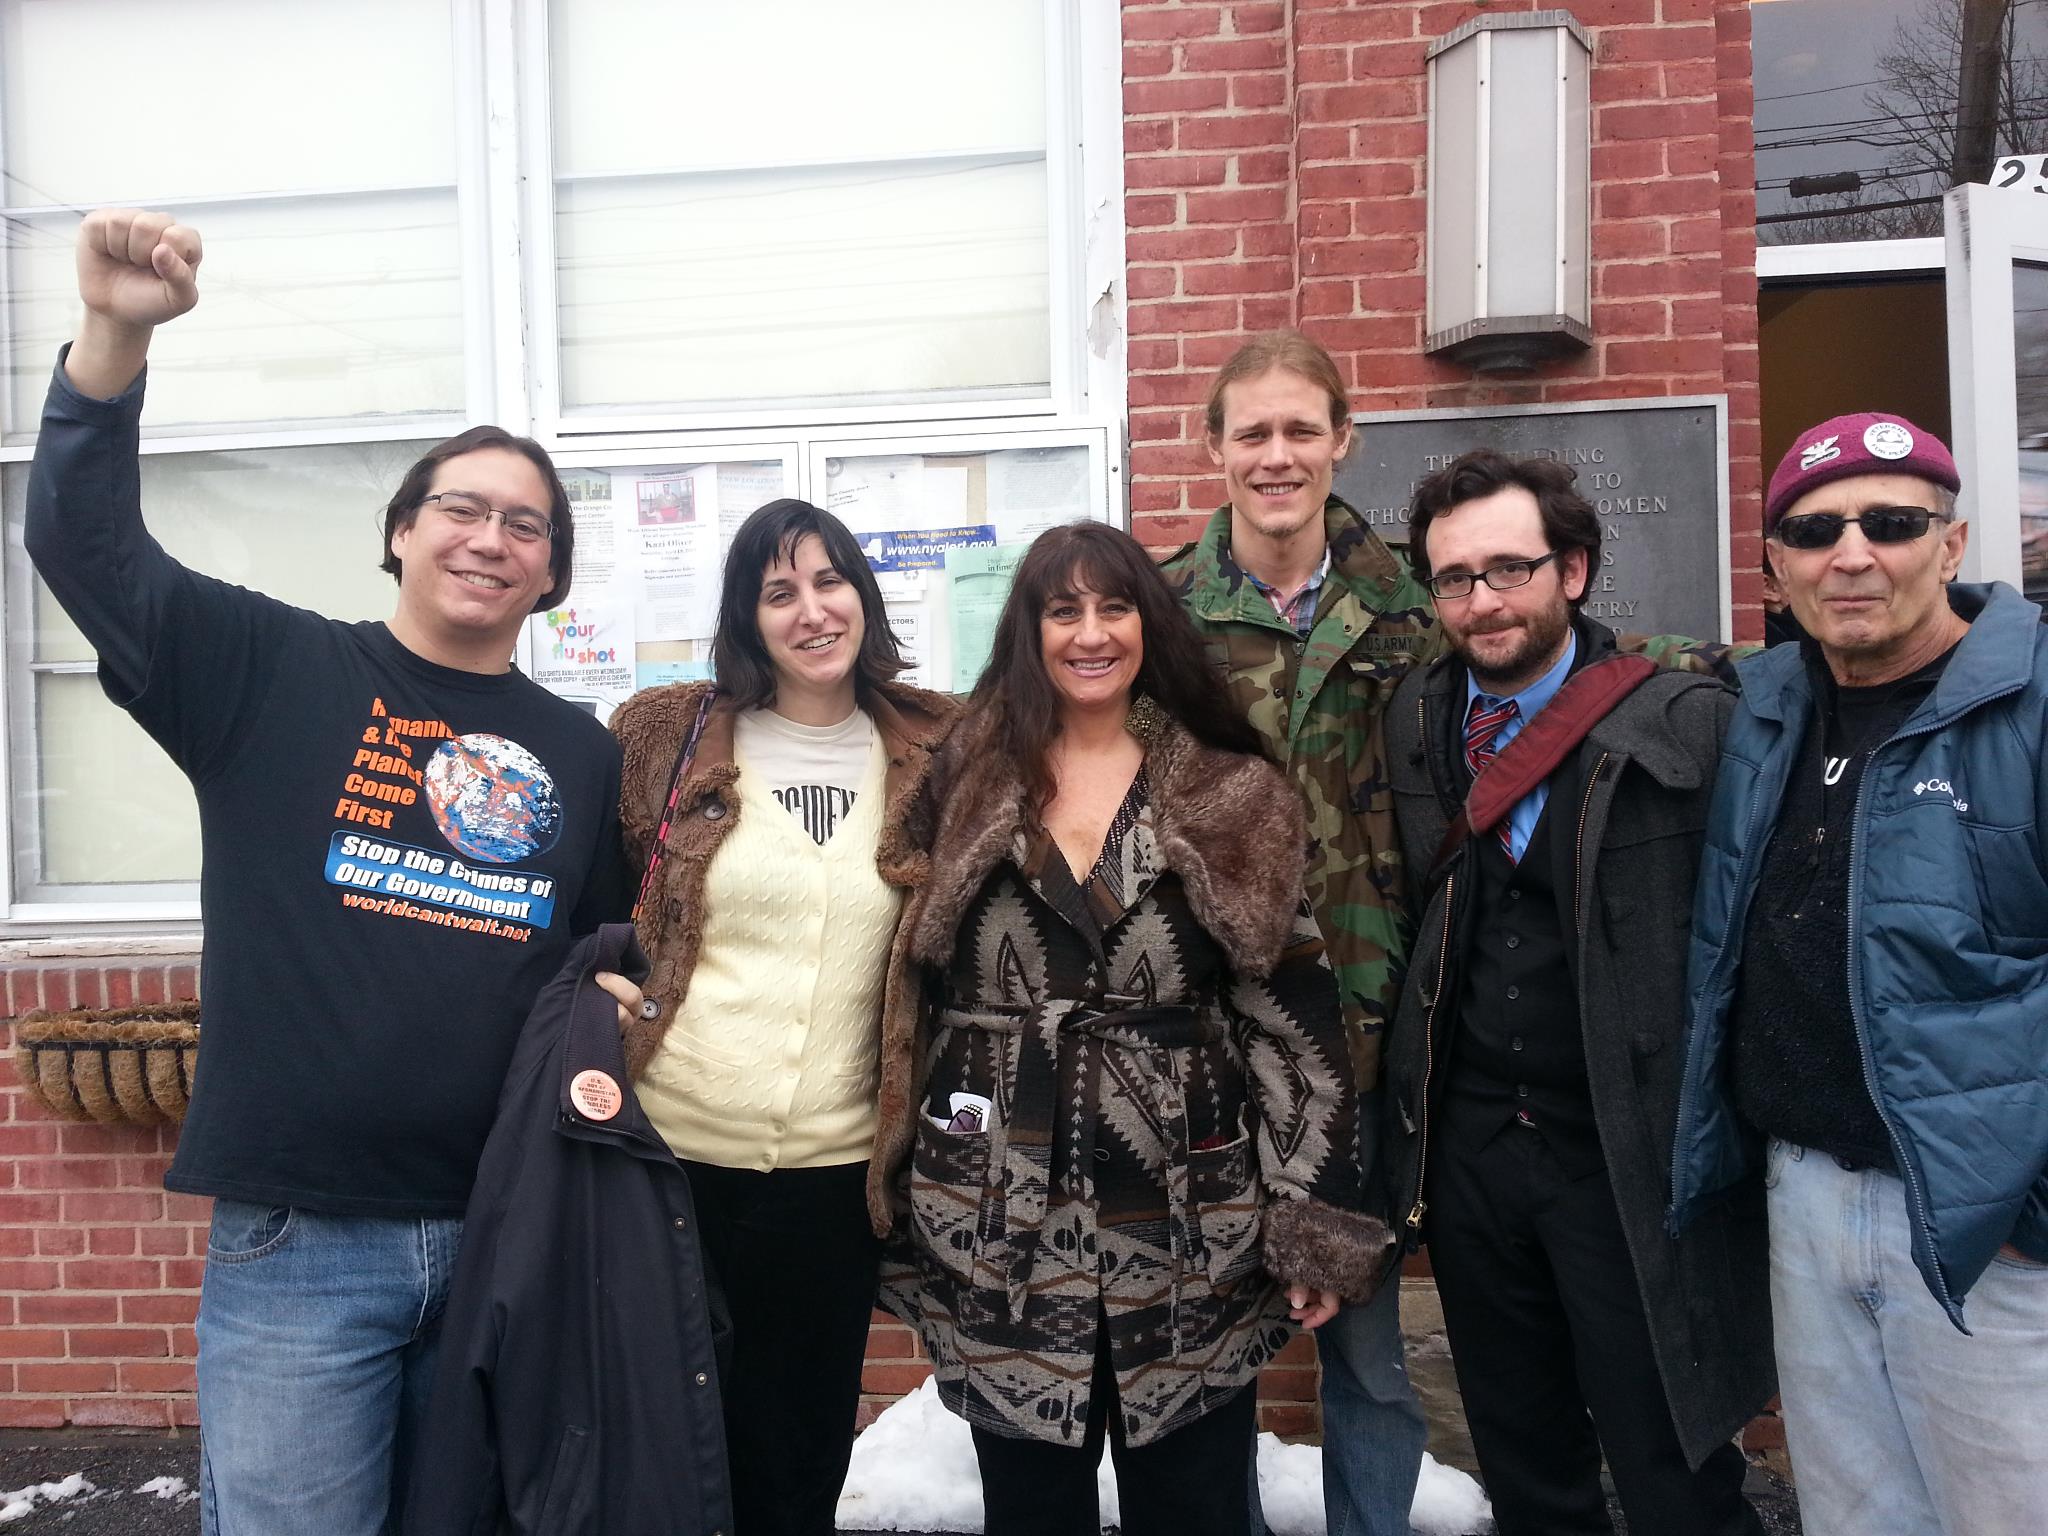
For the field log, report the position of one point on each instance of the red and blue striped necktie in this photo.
(1482, 734)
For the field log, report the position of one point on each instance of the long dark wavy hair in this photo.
(1017, 696)
(739, 659)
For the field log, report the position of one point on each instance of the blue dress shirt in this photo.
(1529, 809)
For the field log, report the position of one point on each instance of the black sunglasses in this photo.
(1880, 525)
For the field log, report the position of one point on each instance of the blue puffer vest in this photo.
(1948, 964)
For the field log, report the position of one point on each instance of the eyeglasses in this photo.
(1504, 577)
(1880, 525)
(466, 510)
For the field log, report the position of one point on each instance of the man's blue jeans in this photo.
(1374, 1431)
(1373, 1427)
(1895, 1421)
(316, 1351)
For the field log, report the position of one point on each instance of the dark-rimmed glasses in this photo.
(1504, 577)
(466, 509)
(1880, 525)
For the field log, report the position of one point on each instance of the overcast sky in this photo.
(1816, 65)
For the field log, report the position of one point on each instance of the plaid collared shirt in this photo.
(1298, 607)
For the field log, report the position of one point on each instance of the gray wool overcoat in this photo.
(1635, 795)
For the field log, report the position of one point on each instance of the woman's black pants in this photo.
(796, 1257)
(1190, 1482)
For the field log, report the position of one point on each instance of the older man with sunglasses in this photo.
(1869, 984)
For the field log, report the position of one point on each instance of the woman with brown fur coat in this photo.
(773, 807)
(1132, 1134)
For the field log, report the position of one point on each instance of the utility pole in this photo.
(1981, 65)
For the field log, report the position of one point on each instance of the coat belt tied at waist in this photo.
(1056, 1115)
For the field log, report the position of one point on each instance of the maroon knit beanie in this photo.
(1866, 443)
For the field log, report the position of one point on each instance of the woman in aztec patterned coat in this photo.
(1128, 1116)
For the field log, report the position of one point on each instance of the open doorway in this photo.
(1863, 343)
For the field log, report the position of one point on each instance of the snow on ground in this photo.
(21, 1502)
(914, 1470)
(170, 1488)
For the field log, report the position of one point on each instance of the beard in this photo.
(1536, 640)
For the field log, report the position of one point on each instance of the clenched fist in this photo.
(135, 271)
(137, 268)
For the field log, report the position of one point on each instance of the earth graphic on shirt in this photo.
(493, 799)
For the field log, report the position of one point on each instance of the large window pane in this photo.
(308, 309)
(814, 285)
(312, 144)
(799, 201)
(113, 808)
(650, 85)
(96, 801)
(114, 99)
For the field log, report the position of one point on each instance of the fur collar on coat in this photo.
(1230, 826)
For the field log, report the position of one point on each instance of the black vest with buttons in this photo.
(1520, 1050)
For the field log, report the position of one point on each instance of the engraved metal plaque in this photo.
(1656, 469)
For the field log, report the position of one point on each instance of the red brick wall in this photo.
(99, 1267)
(1274, 161)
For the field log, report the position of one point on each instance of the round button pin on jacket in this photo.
(595, 1095)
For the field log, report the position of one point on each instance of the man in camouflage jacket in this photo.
(1313, 622)
(1317, 702)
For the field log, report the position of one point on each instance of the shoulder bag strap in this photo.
(684, 758)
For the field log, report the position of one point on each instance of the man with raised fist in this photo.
(400, 835)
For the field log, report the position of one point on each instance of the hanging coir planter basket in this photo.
(111, 1064)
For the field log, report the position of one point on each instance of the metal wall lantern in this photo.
(1510, 189)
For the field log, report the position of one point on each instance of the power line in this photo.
(1824, 90)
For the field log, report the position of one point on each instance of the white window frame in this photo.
(505, 223)
(1849, 258)
(1991, 229)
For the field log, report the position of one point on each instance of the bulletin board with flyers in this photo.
(942, 526)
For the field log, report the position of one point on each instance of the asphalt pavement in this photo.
(121, 1463)
(118, 1463)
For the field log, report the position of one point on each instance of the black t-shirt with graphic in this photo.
(396, 854)
(1798, 1067)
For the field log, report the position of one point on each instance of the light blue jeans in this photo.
(1374, 1431)
(316, 1352)
(1895, 1421)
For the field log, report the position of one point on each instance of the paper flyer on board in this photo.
(675, 524)
(659, 674)
(912, 626)
(596, 560)
(742, 490)
(977, 583)
(921, 549)
(903, 561)
(896, 492)
(1033, 489)
(878, 492)
(584, 650)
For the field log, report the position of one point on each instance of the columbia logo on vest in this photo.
(1941, 787)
